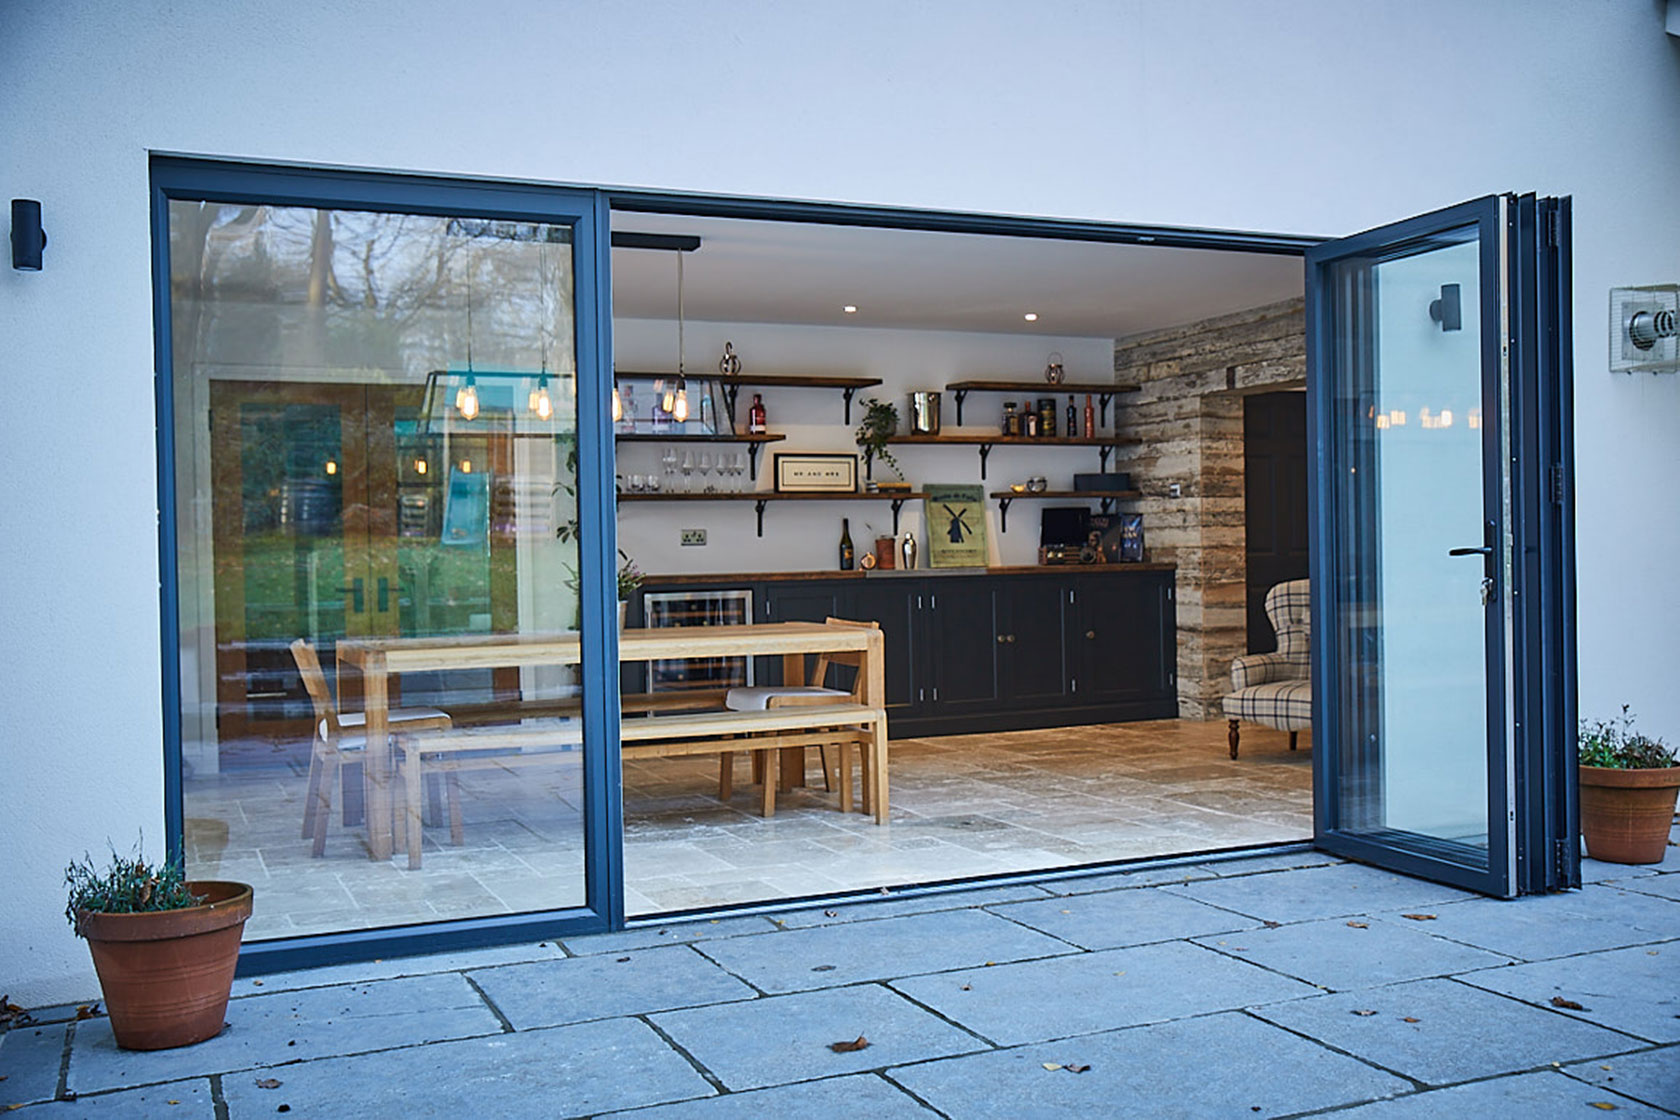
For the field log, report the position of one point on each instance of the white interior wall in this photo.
(1321, 117)
(806, 536)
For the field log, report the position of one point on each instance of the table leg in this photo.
(793, 758)
(875, 696)
(377, 766)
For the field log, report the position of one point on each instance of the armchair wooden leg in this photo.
(312, 796)
(330, 769)
(726, 776)
(1232, 736)
(1292, 736)
(772, 779)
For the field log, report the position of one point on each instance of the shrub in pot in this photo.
(1628, 786)
(165, 947)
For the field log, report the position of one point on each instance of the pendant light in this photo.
(466, 398)
(540, 403)
(679, 406)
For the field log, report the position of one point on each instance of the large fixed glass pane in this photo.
(375, 424)
(1413, 559)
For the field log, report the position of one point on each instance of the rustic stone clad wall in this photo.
(1189, 416)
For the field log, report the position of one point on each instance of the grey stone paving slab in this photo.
(1632, 990)
(863, 1094)
(1254, 865)
(1652, 1077)
(562, 1071)
(1121, 880)
(1461, 1032)
(177, 1100)
(29, 1061)
(1335, 955)
(845, 954)
(1115, 918)
(1540, 927)
(1663, 886)
(394, 967)
(1595, 871)
(673, 933)
(1532, 1096)
(292, 1026)
(1319, 892)
(892, 908)
(1219, 1065)
(1041, 1000)
(781, 1039)
(601, 986)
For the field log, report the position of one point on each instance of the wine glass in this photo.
(740, 468)
(687, 471)
(705, 471)
(668, 457)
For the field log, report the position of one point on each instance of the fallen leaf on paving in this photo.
(1566, 1004)
(989, 964)
(1273, 925)
(831, 913)
(823, 968)
(257, 983)
(1605, 1105)
(1364, 1013)
(1409, 1019)
(1076, 1069)
(1067, 911)
(1419, 917)
(86, 1011)
(268, 1083)
(622, 960)
(1052, 1066)
(968, 987)
(1360, 925)
(1122, 972)
(858, 1043)
(174, 1102)
(284, 1108)
(1603, 1067)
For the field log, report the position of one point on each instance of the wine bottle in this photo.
(1073, 418)
(1090, 418)
(848, 556)
(756, 423)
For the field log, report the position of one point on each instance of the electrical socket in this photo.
(694, 537)
(1175, 491)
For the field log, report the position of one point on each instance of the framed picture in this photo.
(956, 526)
(800, 472)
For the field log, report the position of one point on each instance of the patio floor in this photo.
(1280, 985)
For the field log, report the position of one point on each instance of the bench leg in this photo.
(411, 811)
(878, 770)
(330, 768)
(726, 776)
(312, 796)
(772, 779)
(1292, 736)
(1232, 735)
(844, 751)
(452, 783)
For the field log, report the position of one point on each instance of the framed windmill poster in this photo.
(956, 526)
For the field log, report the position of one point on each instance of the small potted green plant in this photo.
(880, 423)
(1629, 782)
(164, 947)
(630, 578)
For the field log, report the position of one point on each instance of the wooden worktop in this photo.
(922, 573)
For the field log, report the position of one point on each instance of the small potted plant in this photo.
(880, 423)
(630, 578)
(1628, 786)
(165, 947)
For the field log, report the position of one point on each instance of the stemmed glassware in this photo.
(705, 471)
(687, 471)
(739, 467)
(668, 457)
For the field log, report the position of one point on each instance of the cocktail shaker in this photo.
(907, 552)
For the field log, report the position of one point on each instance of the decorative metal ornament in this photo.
(1053, 373)
(730, 364)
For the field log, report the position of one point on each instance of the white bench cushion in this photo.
(757, 698)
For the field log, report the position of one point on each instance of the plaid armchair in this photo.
(1275, 688)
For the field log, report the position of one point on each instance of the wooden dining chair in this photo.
(339, 738)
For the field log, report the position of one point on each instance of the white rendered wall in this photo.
(1316, 117)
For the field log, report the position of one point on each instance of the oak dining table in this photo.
(377, 660)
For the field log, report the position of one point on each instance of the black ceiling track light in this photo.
(28, 238)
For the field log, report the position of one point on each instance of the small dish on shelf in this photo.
(1018, 487)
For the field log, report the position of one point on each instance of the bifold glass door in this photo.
(388, 426)
(1435, 377)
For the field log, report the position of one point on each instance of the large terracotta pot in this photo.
(1625, 814)
(166, 974)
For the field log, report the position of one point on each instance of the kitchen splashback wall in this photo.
(1189, 416)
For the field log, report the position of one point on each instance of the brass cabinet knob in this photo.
(1001, 639)
(1090, 634)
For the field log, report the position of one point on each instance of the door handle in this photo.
(355, 590)
(384, 594)
(1483, 551)
(1090, 635)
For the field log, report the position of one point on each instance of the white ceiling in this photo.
(799, 273)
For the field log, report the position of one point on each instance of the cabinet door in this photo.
(964, 632)
(1032, 660)
(892, 604)
(795, 601)
(1122, 636)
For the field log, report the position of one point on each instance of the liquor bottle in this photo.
(1090, 418)
(1047, 417)
(1011, 423)
(1073, 418)
(848, 557)
(1031, 422)
(755, 416)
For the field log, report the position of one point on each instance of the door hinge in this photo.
(1552, 233)
(1560, 858)
(1556, 471)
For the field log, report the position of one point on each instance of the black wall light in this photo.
(28, 239)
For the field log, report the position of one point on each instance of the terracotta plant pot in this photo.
(166, 974)
(1625, 814)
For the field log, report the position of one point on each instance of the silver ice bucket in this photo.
(924, 414)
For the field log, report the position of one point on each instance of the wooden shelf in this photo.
(1104, 391)
(762, 498)
(985, 443)
(731, 384)
(679, 437)
(1106, 497)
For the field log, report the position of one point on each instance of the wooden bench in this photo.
(662, 736)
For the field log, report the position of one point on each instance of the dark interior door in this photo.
(1274, 502)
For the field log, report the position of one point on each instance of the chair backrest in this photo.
(1287, 606)
(852, 658)
(315, 683)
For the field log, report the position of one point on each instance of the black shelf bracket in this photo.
(962, 394)
(758, 507)
(897, 504)
(1102, 457)
(848, 391)
(1107, 505)
(1003, 514)
(732, 391)
(752, 472)
(985, 450)
(1102, 405)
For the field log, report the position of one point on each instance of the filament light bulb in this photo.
(540, 402)
(681, 409)
(617, 406)
(419, 466)
(467, 400)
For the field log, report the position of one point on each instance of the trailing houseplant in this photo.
(164, 947)
(879, 424)
(1629, 782)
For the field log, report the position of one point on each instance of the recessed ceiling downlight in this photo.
(1031, 316)
(850, 309)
